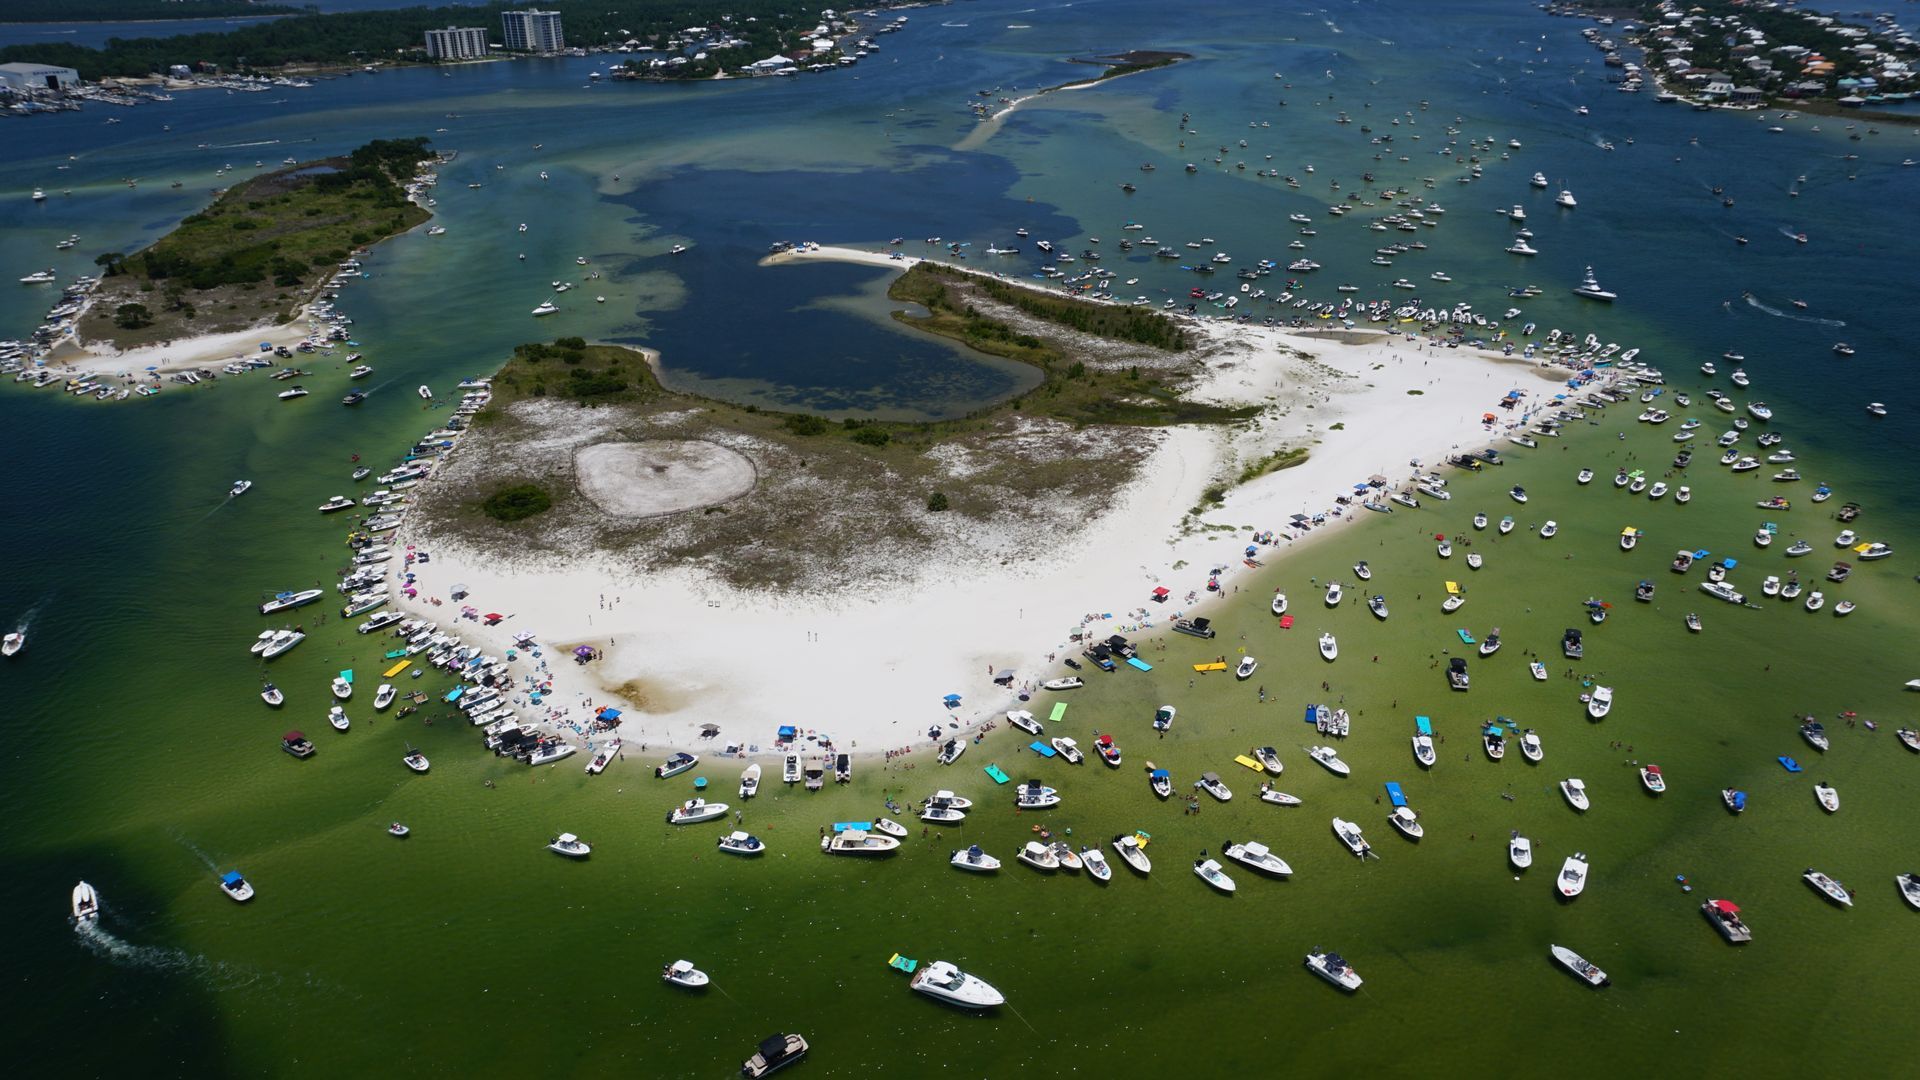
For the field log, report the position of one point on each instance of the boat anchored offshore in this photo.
(1334, 968)
(1573, 875)
(1582, 969)
(945, 982)
(683, 973)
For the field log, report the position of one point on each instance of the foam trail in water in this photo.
(1752, 301)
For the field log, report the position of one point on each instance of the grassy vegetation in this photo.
(1130, 63)
(1069, 390)
(263, 247)
(517, 502)
(572, 370)
(1285, 458)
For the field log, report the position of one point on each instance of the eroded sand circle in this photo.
(661, 476)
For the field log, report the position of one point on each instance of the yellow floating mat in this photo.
(396, 669)
(1209, 667)
(1250, 763)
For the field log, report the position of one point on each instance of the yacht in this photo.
(1332, 967)
(1576, 792)
(1349, 834)
(547, 307)
(947, 983)
(975, 860)
(1566, 199)
(1582, 968)
(1589, 288)
(1209, 871)
(1256, 856)
(1573, 875)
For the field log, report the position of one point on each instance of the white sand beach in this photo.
(680, 651)
(195, 352)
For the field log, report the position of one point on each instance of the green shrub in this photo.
(805, 424)
(516, 503)
(936, 502)
(871, 436)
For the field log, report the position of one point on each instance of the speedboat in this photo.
(1576, 792)
(342, 687)
(1494, 741)
(1329, 648)
(1408, 822)
(236, 887)
(1828, 887)
(337, 716)
(858, 842)
(1506, 525)
(1828, 797)
(1816, 600)
(1600, 702)
(1024, 720)
(1332, 967)
(293, 742)
(1362, 571)
(1653, 778)
(610, 751)
(750, 781)
(739, 843)
(1330, 759)
(1246, 667)
(1480, 519)
(1071, 682)
(1873, 551)
(974, 860)
(1067, 749)
(1519, 494)
(1376, 604)
(1453, 602)
(1519, 851)
(1585, 476)
(1211, 783)
(383, 697)
(683, 973)
(1349, 834)
(1573, 875)
(695, 810)
(1683, 495)
(951, 750)
(1423, 751)
(675, 765)
(1333, 587)
(1269, 759)
(1845, 539)
(1816, 735)
(1457, 674)
(947, 983)
(939, 812)
(1133, 853)
(1033, 795)
(1038, 856)
(1539, 670)
(1445, 549)
(1909, 888)
(271, 695)
(1256, 856)
(1162, 718)
(1279, 603)
(1160, 780)
(889, 827)
(1209, 871)
(86, 903)
(1108, 750)
(416, 760)
(1735, 800)
(1491, 643)
(1530, 747)
(1549, 530)
(1582, 969)
(17, 640)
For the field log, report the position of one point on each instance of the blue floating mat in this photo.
(1466, 637)
(998, 776)
(1789, 764)
(1041, 748)
(1394, 793)
(1134, 661)
(1423, 725)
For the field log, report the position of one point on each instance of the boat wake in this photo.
(216, 974)
(1754, 302)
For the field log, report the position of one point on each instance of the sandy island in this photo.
(870, 667)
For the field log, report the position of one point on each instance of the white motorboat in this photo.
(1423, 751)
(603, 757)
(1600, 702)
(1909, 889)
(947, 798)
(1519, 493)
(1033, 795)
(1585, 476)
(1330, 759)
(1828, 887)
(1539, 670)
(285, 600)
(237, 888)
(1453, 602)
(1654, 780)
(1096, 864)
(1068, 749)
(1491, 643)
(1038, 856)
(739, 843)
(1329, 648)
(1548, 531)
(1408, 822)
(1474, 562)
(1247, 666)
(888, 826)
(271, 695)
(1444, 549)
(947, 983)
(937, 813)
(1506, 525)
(683, 973)
(1211, 783)
(384, 696)
(1829, 798)
(1362, 571)
(85, 903)
(694, 811)
(1332, 967)
(858, 842)
(1576, 792)
(1278, 798)
(1683, 495)
(1024, 720)
(750, 781)
(1279, 603)
(1349, 834)
(17, 640)
(675, 765)
(1816, 600)
(1269, 759)
(550, 751)
(974, 860)
(1071, 682)
(1256, 856)
(1520, 851)
(569, 845)
(1580, 966)
(1530, 747)
(337, 716)
(1573, 875)
(1480, 519)
(1133, 852)
(1209, 871)
(1333, 594)
(342, 687)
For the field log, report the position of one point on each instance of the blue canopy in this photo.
(231, 877)
(1739, 800)
(951, 698)
(1160, 774)
(609, 714)
(787, 731)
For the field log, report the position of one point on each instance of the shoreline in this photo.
(671, 641)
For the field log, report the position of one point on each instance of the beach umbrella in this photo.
(705, 729)
(1439, 536)
(1163, 590)
(583, 650)
(952, 699)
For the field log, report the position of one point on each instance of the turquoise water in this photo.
(143, 762)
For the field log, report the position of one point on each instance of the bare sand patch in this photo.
(661, 476)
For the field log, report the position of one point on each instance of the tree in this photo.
(132, 316)
(936, 502)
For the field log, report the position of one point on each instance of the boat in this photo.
(1161, 781)
(1329, 648)
(1844, 607)
(1349, 834)
(1071, 682)
(1491, 643)
(1549, 530)
(1519, 494)
(1725, 917)
(975, 860)
(1816, 735)
(1328, 758)
(1582, 969)
(1654, 780)
(1038, 856)
(605, 757)
(682, 973)
(1735, 800)
(1539, 670)
(1576, 792)
(1828, 887)
(383, 697)
(1333, 594)
(1873, 551)
(1452, 602)
(1570, 644)
(944, 982)
(1247, 666)
(1506, 525)
(1334, 968)
(1600, 702)
(1096, 864)
(335, 504)
(1828, 798)
(858, 842)
(1024, 720)
(750, 781)
(1423, 750)
(285, 600)
(1209, 871)
(342, 687)
(1530, 747)
(337, 716)
(1909, 889)
(1457, 674)
(1629, 538)
(1589, 288)
(85, 903)
(1573, 875)
(292, 392)
(236, 887)
(1066, 748)
(1256, 856)
(939, 812)
(675, 765)
(1133, 851)
(1519, 851)
(1108, 750)
(1445, 549)
(1404, 819)
(1480, 519)
(1816, 600)
(1362, 571)
(1279, 605)
(293, 742)
(1909, 738)
(694, 811)
(1211, 783)
(1033, 795)
(775, 1052)
(1269, 759)
(888, 826)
